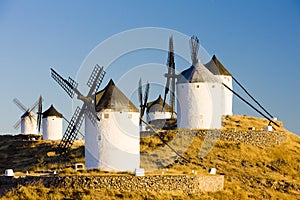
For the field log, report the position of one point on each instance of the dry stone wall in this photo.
(187, 184)
(256, 138)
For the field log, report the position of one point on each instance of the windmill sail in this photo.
(68, 86)
(95, 79)
(71, 133)
(194, 46)
(19, 104)
(39, 113)
(143, 104)
(171, 76)
(88, 107)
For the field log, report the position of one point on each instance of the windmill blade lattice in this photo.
(71, 133)
(171, 76)
(18, 124)
(194, 47)
(91, 114)
(68, 86)
(95, 79)
(143, 104)
(146, 95)
(88, 107)
(19, 104)
(39, 113)
(33, 107)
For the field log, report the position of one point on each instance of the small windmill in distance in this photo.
(88, 107)
(30, 124)
(143, 104)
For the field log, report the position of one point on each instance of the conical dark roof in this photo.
(216, 67)
(51, 112)
(27, 113)
(190, 75)
(111, 97)
(156, 106)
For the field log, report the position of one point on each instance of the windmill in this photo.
(30, 125)
(143, 104)
(88, 107)
(171, 76)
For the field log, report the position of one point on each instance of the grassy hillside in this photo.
(251, 171)
(21, 153)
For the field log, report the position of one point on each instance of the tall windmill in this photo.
(28, 112)
(171, 77)
(143, 104)
(88, 107)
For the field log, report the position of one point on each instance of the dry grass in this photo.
(22, 154)
(40, 192)
(244, 122)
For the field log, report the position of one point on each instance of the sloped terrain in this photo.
(256, 164)
(30, 153)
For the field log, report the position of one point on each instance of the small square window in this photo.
(213, 86)
(198, 86)
(99, 137)
(106, 115)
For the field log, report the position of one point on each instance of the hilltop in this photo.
(256, 164)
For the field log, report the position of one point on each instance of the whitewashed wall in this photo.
(158, 115)
(115, 144)
(29, 125)
(226, 95)
(199, 105)
(52, 128)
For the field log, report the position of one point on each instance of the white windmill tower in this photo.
(157, 109)
(199, 95)
(52, 124)
(205, 93)
(217, 69)
(115, 144)
(30, 124)
(112, 140)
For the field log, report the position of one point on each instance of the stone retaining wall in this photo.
(187, 184)
(256, 138)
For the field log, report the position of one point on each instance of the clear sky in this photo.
(257, 41)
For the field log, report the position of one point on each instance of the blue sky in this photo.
(257, 41)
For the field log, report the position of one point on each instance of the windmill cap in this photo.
(216, 67)
(157, 105)
(111, 97)
(27, 113)
(52, 112)
(191, 75)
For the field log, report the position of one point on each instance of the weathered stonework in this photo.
(187, 184)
